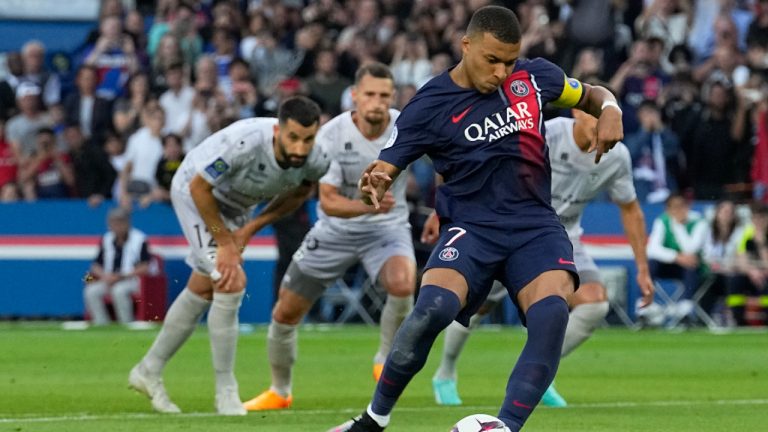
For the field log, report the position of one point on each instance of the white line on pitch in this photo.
(39, 418)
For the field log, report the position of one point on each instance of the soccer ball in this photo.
(480, 423)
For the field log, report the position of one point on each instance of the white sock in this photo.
(382, 420)
(394, 312)
(282, 346)
(223, 332)
(456, 336)
(180, 321)
(582, 321)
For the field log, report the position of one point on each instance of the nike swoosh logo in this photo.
(519, 404)
(564, 261)
(457, 118)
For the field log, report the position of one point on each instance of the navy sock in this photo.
(435, 308)
(536, 367)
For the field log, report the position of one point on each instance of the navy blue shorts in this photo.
(515, 257)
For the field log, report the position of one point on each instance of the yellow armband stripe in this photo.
(571, 95)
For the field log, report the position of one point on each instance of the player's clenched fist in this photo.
(373, 185)
(609, 131)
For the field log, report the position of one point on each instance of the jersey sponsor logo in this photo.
(449, 254)
(262, 167)
(501, 124)
(391, 139)
(457, 117)
(217, 168)
(347, 146)
(519, 88)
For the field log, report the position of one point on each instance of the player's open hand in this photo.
(228, 260)
(647, 289)
(373, 185)
(609, 131)
(431, 231)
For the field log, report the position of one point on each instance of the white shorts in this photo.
(325, 254)
(202, 254)
(585, 266)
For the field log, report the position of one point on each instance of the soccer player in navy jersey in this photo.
(482, 126)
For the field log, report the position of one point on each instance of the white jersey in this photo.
(350, 153)
(577, 179)
(239, 161)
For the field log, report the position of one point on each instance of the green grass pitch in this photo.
(619, 381)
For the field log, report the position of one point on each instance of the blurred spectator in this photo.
(49, 173)
(168, 54)
(589, 65)
(205, 105)
(666, 20)
(655, 153)
(177, 100)
(123, 257)
(271, 63)
(94, 175)
(224, 51)
(33, 60)
(404, 95)
(716, 133)
(724, 64)
(9, 84)
(591, 24)
(177, 19)
(114, 57)
(142, 153)
(538, 38)
(243, 95)
(719, 251)
(751, 278)
(675, 246)
(9, 168)
(758, 29)
(410, 61)
(127, 112)
(173, 155)
(84, 107)
(134, 27)
(21, 129)
(326, 85)
(639, 78)
(114, 147)
(257, 24)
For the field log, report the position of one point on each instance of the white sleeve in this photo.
(333, 177)
(131, 149)
(656, 249)
(622, 188)
(221, 161)
(690, 243)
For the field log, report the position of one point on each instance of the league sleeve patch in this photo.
(217, 168)
(571, 95)
(392, 138)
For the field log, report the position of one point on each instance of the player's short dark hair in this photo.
(499, 21)
(375, 69)
(45, 130)
(300, 109)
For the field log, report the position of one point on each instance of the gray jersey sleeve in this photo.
(622, 188)
(219, 162)
(317, 164)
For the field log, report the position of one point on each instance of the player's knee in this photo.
(288, 309)
(401, 286)
(590, 292)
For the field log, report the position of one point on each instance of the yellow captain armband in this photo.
(571, 95)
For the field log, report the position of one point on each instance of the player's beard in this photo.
(375, 117)
(291, 160)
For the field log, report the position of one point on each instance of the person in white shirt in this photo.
(142, 153)
(214, 193)
(177, 100)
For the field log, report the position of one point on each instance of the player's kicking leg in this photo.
(297, 294)
(397, 276)
(435, 308)
(180, 321)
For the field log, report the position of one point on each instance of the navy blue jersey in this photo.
(489, 148)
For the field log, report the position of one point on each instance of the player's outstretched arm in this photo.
(278, 207)
(601, 103)
(337, 205)
(228, 257)
(634, 226)
(376, 180)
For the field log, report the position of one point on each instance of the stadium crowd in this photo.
(154, 78)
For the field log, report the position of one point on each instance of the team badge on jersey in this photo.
(519, 88)
(217, 168)
(449, 254)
